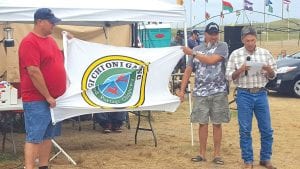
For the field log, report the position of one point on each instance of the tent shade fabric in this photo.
(93, 12)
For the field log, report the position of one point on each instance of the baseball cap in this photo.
(47, 14)
(196, 32)
(212, 28)
(180, 33)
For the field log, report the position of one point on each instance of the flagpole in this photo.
(281, 19)
(244, 12)
(265, 18)
(282, 9)
(288, 12)
(191, 13)
(221, 18)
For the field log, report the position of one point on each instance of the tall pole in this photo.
(191, 13)
(282, 9)
(244, 12)
(288, 12)
(281, 19)
(205, 11)
(265, 18)
(267, 31)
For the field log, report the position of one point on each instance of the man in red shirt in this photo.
(43, 78)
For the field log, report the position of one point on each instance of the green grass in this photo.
(9, 160)
(6, 157)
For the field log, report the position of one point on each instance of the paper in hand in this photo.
(255, 67)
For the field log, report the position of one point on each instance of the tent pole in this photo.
(189, 85)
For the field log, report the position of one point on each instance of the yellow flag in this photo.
(180, 2)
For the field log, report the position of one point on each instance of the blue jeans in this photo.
(38, 124)
(247, 103)
(114, 118)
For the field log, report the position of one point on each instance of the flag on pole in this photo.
(248, 5)
(227, 6)
(268, 2)
(207, 15)
(179, 2)
(104, 78)
(287, 2)
(270, 9)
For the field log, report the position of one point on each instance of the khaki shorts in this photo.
(214, 109)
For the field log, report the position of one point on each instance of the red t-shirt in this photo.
(45, 54)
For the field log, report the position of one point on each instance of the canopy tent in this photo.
(94, 12)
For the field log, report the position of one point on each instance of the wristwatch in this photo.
(194, 53)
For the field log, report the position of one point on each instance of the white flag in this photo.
(103, 78)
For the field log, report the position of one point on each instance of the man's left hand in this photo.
(267, 68)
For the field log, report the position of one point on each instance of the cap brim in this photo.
(212, 32)
(54, 20)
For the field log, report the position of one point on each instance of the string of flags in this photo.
(227, 6)
(248, 5)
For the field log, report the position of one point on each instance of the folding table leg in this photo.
(61, 150)
(148, 116)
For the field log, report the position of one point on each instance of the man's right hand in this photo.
(180, 94)
(51, 101)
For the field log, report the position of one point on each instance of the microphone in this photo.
(246, 71)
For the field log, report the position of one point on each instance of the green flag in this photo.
(270, 9)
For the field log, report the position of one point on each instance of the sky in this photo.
(214, 7)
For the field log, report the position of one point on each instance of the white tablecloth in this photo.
(11, 107)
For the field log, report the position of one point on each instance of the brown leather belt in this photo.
(253, 90)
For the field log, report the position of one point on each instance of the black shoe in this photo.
(107, 128)
(117, 129)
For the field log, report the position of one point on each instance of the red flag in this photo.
(287, 2)
(227, 6)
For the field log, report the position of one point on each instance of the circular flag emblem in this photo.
(115, 81)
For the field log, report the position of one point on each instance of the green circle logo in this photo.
(115, 81)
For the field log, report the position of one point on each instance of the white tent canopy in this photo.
(93, 12)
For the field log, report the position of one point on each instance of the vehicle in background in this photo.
(288, 76)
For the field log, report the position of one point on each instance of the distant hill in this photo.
(272, 31)
(278, 30)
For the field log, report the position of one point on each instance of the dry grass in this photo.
(93, 150)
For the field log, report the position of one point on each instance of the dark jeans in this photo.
(114, 118)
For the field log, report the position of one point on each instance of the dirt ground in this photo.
(92, 149)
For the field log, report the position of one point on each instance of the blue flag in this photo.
(268, 2)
